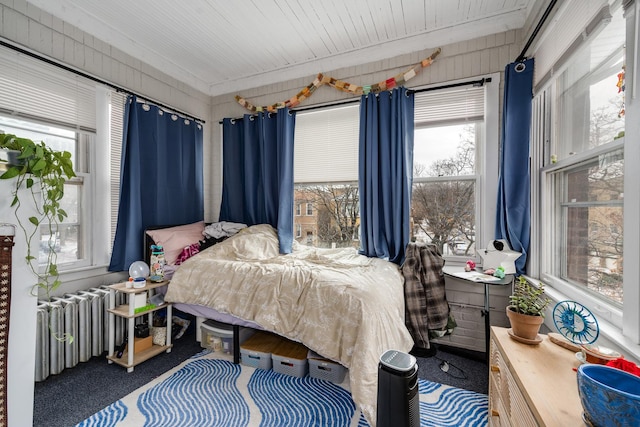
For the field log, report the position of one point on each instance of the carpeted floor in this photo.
(214, 392)
(79, 392)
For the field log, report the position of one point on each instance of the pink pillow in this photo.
(175, 239)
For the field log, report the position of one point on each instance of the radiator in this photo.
(83, 316)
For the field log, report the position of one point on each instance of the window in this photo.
(67, 112)
(451, 167)
(583, 185)
(68, 240)
(326, 179)
(298, 209)
(449, 128)
(298, 230)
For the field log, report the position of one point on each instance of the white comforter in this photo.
(344, 306)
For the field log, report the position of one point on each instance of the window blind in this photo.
(326, 145)
(574, 22)
(117, 126)
(34, 90)
(449, 105)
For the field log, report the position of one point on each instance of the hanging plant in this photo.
(43, 172)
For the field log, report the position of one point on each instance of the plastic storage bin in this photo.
(325, 369)
(256, 350)
(217, 332)
(290, 358)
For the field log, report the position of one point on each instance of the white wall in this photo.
(22, 321)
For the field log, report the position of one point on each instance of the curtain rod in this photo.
(95, 79)
(536, 30)
(477, 83)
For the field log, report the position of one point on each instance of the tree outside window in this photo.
(443, 199)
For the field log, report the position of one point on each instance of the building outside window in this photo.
(298, 209)
(583, 187)
(327, 180)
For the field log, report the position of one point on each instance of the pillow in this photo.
(175, 239)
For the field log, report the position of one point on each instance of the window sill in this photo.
(87, 277)
(610, 335)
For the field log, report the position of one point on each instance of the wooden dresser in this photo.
(532, 385)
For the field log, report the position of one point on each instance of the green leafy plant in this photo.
(528, 299)
(43, 171)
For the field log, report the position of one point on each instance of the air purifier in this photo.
(398, 398)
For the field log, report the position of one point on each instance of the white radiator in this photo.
(84, 317)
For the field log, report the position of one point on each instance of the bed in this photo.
(345, 306)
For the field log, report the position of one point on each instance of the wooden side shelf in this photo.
(129, 360)
(532, 385)
(139, 357)
(123, 310)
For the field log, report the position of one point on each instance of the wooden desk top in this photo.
(544, 373)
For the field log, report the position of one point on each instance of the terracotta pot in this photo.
(524, 325)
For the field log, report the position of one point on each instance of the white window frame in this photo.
(604, 310)
(618, 328)
(487, 164)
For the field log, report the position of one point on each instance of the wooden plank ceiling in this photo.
(223, 46)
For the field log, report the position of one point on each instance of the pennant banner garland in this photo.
(343, 86)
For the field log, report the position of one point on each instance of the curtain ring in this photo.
(232, 121)
(251, 118)
(520, 67)
(269, 115)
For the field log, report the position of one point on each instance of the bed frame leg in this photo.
(236, 344)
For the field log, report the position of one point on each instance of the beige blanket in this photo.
(342, 305)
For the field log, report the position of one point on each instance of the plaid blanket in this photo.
(426, 306)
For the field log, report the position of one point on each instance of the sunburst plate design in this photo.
(575, 322)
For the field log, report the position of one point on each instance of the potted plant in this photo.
(43, 171)
(526, 309)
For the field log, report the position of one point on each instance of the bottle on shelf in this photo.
(157, 263)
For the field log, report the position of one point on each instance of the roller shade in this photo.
(449, 105)
(326, 145)
(34, 90)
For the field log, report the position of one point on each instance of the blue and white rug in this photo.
(209, 390)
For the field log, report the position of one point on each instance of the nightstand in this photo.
(130, 357)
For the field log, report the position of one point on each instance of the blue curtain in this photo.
(257, 177)
(386, 173)
(513, 215)
(161, 177)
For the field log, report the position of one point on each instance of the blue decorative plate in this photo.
(575, 322)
